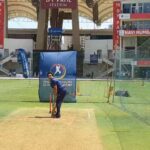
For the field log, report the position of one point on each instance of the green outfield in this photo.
(91, 123)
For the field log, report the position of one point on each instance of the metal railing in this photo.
(135, 56)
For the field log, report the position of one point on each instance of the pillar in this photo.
(76, 41)
(6, 19)
(41, 40)
(75, 30)
(132, 71)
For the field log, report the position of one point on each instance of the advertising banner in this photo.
(22, 59)
(116, 24)
(93, 59)
(143, 63)
(1, 24)
(136, 32)
(55, 31)
(63, 66)
(140, 15)
(124, 16)
(59, 4)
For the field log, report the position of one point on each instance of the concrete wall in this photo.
(97, 70)
(10, 45)
(91, 47)
(129, 42)
(67, 41)
(13, 44)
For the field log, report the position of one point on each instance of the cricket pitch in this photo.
(28, 129)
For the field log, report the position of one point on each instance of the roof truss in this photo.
(24, 8)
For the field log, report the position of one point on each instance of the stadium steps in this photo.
(107, 72)
(2, 62)
(107, 61)
(5, 71)
(6, 59)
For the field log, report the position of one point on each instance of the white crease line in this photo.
(89, 116)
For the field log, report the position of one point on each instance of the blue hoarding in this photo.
(63, 66)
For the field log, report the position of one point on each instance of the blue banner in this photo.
(55, 31)
(93, 59)
(63, 66)
(22, 59)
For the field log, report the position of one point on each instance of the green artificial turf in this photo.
(123, 124)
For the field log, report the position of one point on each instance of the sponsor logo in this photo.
(58, 70)
(124, 16)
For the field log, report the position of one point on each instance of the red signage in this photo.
(143, 63)
(136, 32)
(116, 24)
(59, 4)
(1, 24)
(140, 16)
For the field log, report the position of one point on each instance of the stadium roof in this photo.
(24, 8)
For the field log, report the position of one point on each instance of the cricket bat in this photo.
(50, 103)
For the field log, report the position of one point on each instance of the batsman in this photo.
(59, 92)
